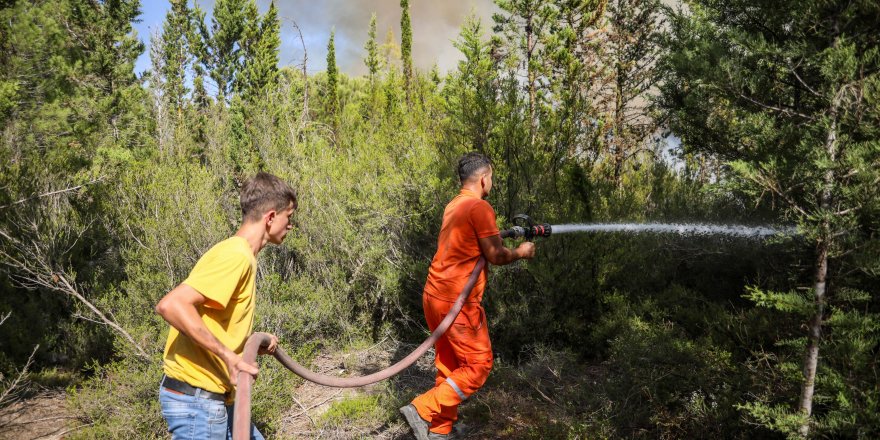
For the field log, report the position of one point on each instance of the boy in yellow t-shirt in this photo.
(212, 314)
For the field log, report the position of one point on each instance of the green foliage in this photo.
(777, 98)
(789, 302)
(241, 154)
(649, 394)
(778, 418)
(633, 46)
(470, 92)
(78, 118)
(176, 52)
(372, 59)
(352, 410)
(331, 99)
(223, 45)
(120, 400)
(406, 48)
(8, 97)
(600, 336)
(259, 73)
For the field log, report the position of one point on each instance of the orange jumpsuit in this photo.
(464, 353)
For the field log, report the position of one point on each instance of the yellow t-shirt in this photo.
(225, 275)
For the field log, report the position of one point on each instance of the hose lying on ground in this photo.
(242, 415)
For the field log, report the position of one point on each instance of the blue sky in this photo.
(435, 26)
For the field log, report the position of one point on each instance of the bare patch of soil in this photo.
(42, 416)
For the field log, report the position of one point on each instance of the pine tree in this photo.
(176, 54)
(524, 27)
(390, 51)
(250, 38)
(470, 94)
(573, 59)
(259, 72)
(633, 49)
(227, 29)
(332, 101)
(241, 152)
(785, 93)
(372, 59)
(435, 75)
(199, 39)
(72, 113)
(406, 48)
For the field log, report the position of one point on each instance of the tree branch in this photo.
(774, 108)
(60, 191)
(35, 271)
(69, 289)
(6, 397)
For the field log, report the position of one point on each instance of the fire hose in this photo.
(242, 414)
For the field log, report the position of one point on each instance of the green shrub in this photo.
(352, 410)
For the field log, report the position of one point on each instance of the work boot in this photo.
(418, 425)
(460, 429)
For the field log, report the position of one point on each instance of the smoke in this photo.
(435, 26)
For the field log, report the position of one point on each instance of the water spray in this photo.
(524, 227)
(687, 229)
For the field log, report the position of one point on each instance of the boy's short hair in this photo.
(470, 163)
(265, 192)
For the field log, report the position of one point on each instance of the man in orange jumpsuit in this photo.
(464, 353)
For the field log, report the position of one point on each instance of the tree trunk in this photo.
(617, 140)
(530, 47)
(811, 357)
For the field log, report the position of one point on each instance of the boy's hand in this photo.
(273, 344)
(526, 250)
(235, 364)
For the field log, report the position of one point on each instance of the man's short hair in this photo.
(265, 192)
(470, 164)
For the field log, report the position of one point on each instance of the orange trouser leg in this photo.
(463, 361)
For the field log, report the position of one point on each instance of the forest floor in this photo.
(309, 418)
(510, 406)
(43, 415)
(518, 402)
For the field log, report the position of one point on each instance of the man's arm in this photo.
(495, 252)
(180, 309)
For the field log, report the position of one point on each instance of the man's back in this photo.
(467, 219)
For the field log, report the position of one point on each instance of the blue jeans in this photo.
(196, 418)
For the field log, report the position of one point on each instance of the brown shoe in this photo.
(418, 425)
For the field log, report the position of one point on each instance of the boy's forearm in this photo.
(199, 333)
(185, 318)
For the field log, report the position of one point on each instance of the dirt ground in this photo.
(41, 416)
